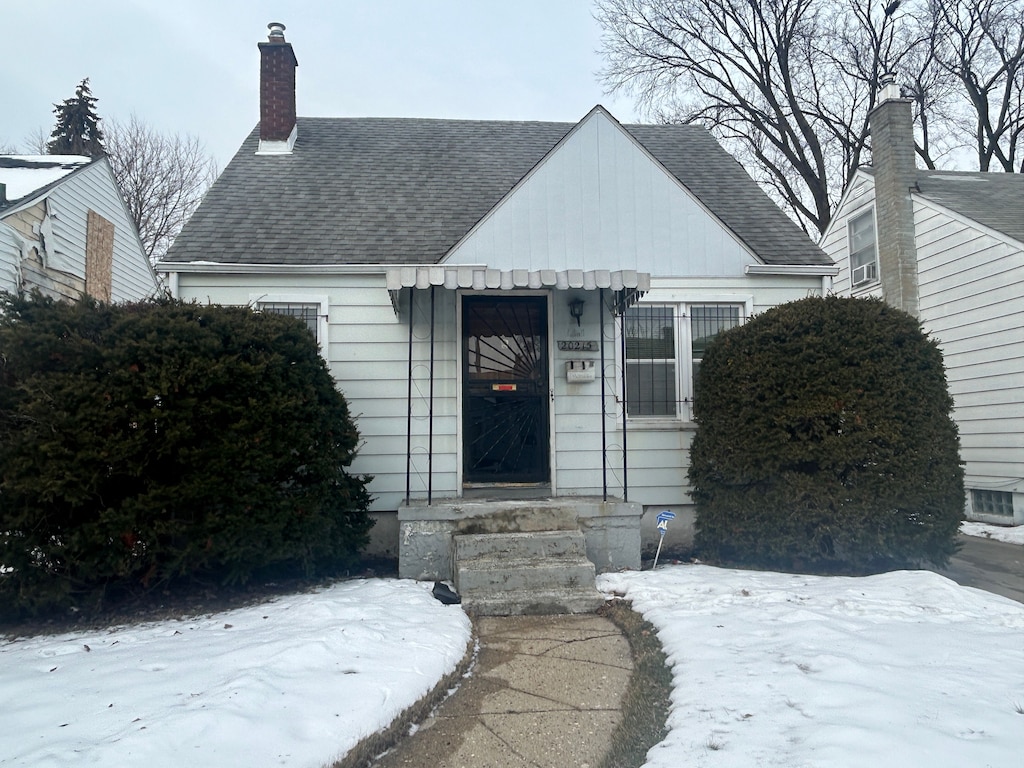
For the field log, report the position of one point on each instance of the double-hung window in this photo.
(863, 251)
(651, 352)
(665, 344)
(706, 322)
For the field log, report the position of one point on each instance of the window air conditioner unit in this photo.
(864, 273)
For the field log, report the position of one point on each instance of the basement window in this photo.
(997, 503)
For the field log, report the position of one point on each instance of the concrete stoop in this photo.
(530, 573)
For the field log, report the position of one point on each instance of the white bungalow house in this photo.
(512, 309)
(65, 231)
(947, 247)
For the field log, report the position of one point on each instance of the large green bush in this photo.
(825, 441)
(142, 444)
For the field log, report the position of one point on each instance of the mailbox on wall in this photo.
(580, 370)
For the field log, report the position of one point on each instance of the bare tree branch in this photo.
(980, 43)
(787, 85)
(35, 143)
(162, 177)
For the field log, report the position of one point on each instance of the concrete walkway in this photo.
(545, 692)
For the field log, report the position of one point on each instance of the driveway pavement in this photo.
(994, 566)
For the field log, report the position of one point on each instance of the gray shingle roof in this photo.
(993, 199)
(387, 191)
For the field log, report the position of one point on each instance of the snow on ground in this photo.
(1014, 535)
(297, 681)
(901, 669)
(904, 669)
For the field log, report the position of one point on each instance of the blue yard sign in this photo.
(663, 518)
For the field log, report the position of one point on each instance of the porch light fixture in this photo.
(576, 309)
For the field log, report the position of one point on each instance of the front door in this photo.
(505, 389)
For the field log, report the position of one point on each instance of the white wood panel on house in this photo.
(367, 352)
(10, 257)
(835, 242)
(94, 188)
(598, 201)
(992, 394)
(971, 293)
(368, 355)
(987, 361)
(658, 448)
(972, 302)
(1001, 433)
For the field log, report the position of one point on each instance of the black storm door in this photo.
(505, 389)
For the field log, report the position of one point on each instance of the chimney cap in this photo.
(276, 32)
(887, 87)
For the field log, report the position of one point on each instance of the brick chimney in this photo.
(895, 168)
(277, 93)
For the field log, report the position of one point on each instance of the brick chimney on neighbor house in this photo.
(277, 93)
(895, 168)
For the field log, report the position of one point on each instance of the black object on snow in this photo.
(445, 594)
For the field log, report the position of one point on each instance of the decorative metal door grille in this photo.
(505, 397)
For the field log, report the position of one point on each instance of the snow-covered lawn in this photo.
(904, 669)
(297, 681)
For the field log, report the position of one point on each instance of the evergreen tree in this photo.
(825, 441)
(77, 131)
(146, 445)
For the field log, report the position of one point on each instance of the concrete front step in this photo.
(535, 602)
(536, 544)
(514, 573)
(426, 546)
(502, 574)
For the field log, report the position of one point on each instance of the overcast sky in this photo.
(192, 66)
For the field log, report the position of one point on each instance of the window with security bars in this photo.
(650, 361)
(656, 339)
(307, 312)
(999, 503)
(706, 322)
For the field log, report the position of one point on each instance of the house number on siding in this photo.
(578, 346)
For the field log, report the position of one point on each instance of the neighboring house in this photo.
(65, 231)
(948, 247)
(479, 288)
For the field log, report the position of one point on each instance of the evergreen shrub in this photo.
(825, 442)
(144, 444)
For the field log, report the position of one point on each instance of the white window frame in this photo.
(682, 304)
(674, 361)
(257, 300)
(868, 269)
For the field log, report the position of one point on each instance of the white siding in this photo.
(835, 241)
(657, 449)
(971, 292)
(59, 222)
(10, 256)
(600, 202)
(368, 354)
(972, 303)
(367, 350)
(94, 188)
